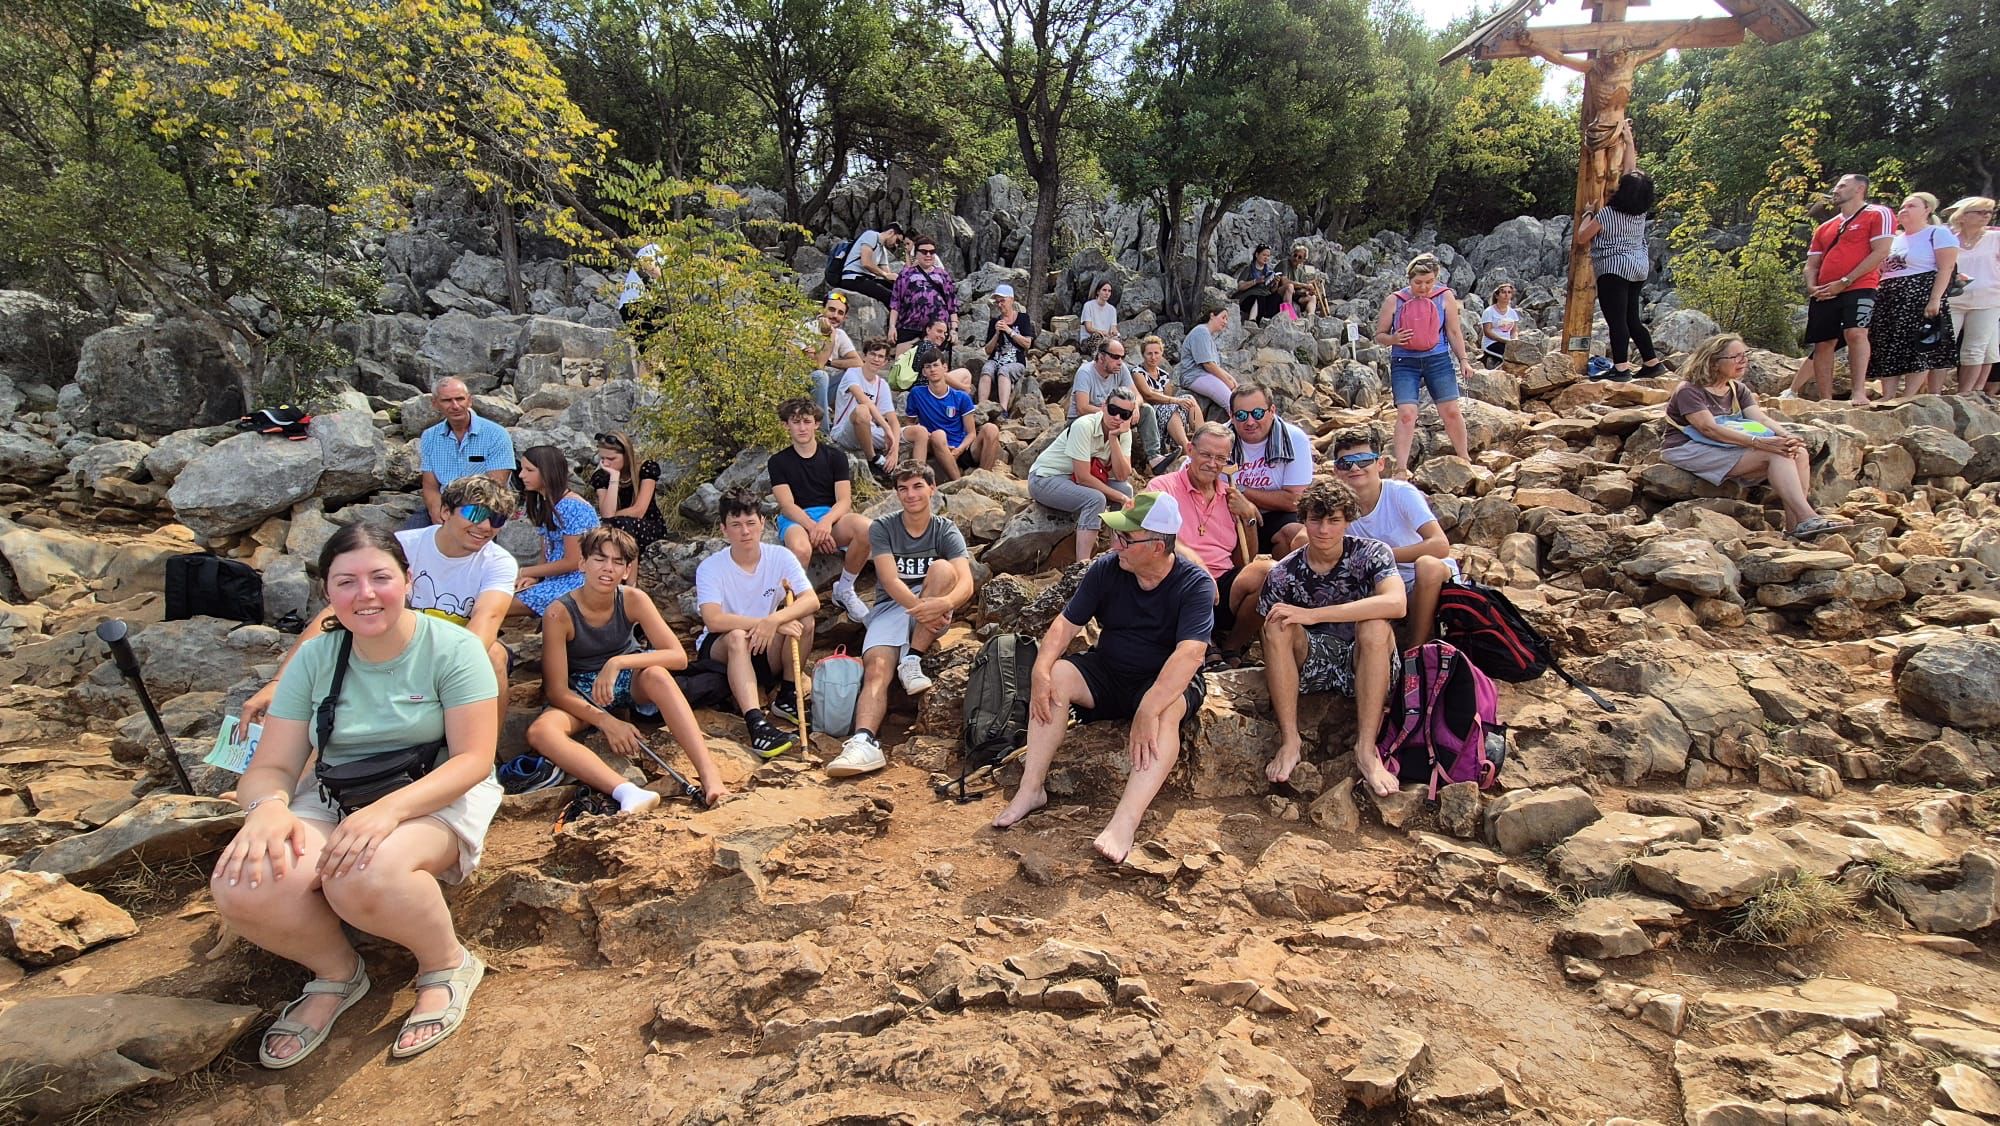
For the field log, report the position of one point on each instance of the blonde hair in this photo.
(1425, 264)
(1929, 201)
(1972, 203)
(1700, 367)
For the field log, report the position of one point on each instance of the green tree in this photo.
(1046, 55)
(1508, 152)
(1399, 188)
(718, 328)
(1230, 98)
(1753, 289)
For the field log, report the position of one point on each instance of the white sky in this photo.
(1556, 82)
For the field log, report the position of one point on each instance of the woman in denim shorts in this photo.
(1420, 324)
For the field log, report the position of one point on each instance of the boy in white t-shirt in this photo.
(741, 593)
(1397, 514)
(457, 573)
(864, 408)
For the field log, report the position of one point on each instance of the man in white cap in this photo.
(1008, 337)
(1154, 610)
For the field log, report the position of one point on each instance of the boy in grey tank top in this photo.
(591, 663)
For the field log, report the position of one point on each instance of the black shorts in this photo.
(909, 332)
(767, 674)
(1116, 692)
(1830, 318)
(1269, 526)
(1225, 618)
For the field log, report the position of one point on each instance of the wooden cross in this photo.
(1607, 52)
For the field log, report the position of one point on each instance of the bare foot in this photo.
(1113, 846)
(1860, 402)
(1282, 763)
(1380, 782)
(1023, 804)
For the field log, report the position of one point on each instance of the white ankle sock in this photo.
(629, 794)
(844, 582)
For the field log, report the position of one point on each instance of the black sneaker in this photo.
(785, 705)
(770, 742)
(524, 774)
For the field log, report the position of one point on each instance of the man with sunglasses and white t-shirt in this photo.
(1275, 461)
(1396, 513)
(457, 572)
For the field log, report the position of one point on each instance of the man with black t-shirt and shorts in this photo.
(810, 481)
(1843, 267)
(1154, 610)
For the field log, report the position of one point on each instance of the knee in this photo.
(1375, 633)
(544, 730)
(271, 899)
(1432, 571)
(1449, 410)
(362, 892)
(1406, 415)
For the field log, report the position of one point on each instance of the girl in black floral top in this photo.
(626, 499)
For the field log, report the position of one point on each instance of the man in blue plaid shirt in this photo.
(461, 445)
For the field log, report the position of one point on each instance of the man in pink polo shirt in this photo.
(1210, 508)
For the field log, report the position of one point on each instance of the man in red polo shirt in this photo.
(1210, 508)
(1843, 267)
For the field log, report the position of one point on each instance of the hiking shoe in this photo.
(850, 600)
(1819, 526)
(861, 754)
(524, 774)
(785, 703)
(910, 672)
(1787, 393)
(770, 742)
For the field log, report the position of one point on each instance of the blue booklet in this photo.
(228, 753)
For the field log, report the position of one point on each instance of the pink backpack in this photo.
(1424, 319)
(1447, 712)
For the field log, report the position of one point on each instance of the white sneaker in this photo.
(859, 755)
(910, 671)
(850, 600)
(1787, 393)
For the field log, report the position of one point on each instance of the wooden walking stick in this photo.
(1246, 537)
(798, 679)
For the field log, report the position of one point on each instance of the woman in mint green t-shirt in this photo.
(298, 868)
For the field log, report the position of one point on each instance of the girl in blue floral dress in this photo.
(561, 517)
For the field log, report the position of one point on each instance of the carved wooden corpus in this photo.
(1607, 51)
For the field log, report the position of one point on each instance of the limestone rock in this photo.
(1734, 1084)
(153, 378)
(233, 485)
(1713, 875)
(1684, 564)
(28, 460)
(1592, 856)
(161, 827)
(1301, 877)
(1461, 1084)
(1527, 819)
(1602, 928)
(1951, 898)
(1387, 1059)
(1023, 546)
(1937, 453)
(1969, 1089)
(68, 1053)
(44, 921)
(1950, 682)
(1769, 1015)
(1334, 810)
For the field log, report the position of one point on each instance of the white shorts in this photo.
(888, 624)
(466, 819)
(843, 436)
(1978, 335)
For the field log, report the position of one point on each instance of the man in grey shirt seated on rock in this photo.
(1095, 379)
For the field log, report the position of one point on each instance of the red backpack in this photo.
(1423, 319)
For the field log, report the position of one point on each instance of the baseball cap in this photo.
(1151, 512)
(1004, 291)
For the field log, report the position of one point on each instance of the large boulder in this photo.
(234, 485)
(45, 920)
(1950, 682)
(194, 655)
(1682, 329)
(161, 828)
(29, 461)
(470, 347)
(1025, 544)
(152, 379)
(64, 1054)
(354, 457)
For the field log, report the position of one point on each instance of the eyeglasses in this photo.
(1256, 413)
(1732, 357)
(1112, 355)
(1132, 539)
(479, 513)
(1116, 412)
(1356, 461)
(927, 250)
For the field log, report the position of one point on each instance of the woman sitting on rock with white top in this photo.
(399, 706)
(1716, 431)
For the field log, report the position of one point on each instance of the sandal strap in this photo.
(328, 985)
(293, 1028)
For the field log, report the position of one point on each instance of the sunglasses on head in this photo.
(479, 513)
(1118, 412)
(1356, 461)
(1256, 413)
(605, 441)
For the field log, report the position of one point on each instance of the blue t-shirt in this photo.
(947, 414)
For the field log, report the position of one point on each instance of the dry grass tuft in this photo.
(1794, 912)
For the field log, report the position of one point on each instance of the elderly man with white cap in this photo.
(1154, 610)
(1008, 337)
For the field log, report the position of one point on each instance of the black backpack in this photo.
(1491, 631)
(836, 262)
(997, 690)
(278, 422)
(205, 585)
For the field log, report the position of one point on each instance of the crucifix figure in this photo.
(1608, 51)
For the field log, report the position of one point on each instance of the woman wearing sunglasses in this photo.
(1088, 468)
(457, 573)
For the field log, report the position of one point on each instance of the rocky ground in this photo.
(1763, 890)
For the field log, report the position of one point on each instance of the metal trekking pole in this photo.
(693, 789)
(113, 634)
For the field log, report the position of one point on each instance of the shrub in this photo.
(718, 330)
(1794, 912)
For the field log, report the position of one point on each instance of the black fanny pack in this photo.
(353, 785)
